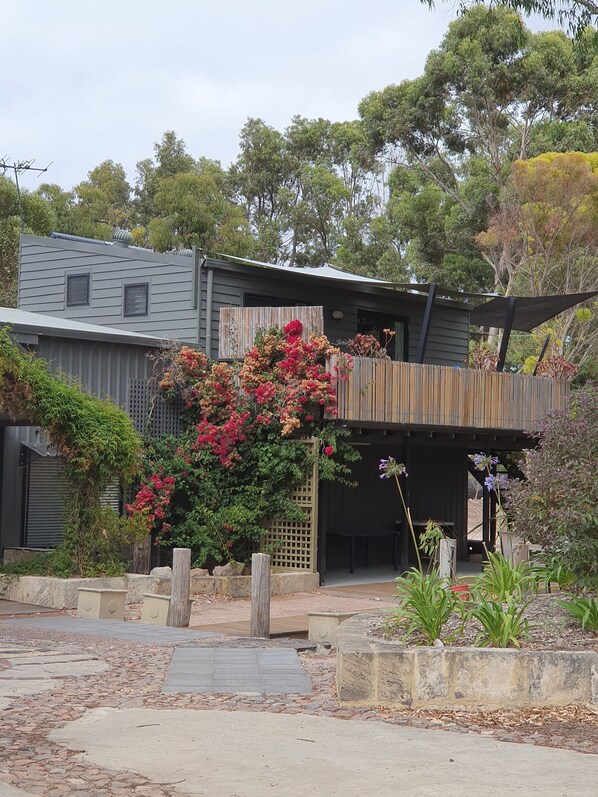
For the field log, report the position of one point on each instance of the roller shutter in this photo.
(45, 502)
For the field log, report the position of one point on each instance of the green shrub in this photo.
(500, 579)
(425, 605)
(584, 610)
(503, 624)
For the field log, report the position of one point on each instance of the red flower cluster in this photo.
(285, 376)
(222, 439)
(153, 500)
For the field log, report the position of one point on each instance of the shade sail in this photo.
(530, 311)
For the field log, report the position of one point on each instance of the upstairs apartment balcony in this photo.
(386, 394)
(382, 393)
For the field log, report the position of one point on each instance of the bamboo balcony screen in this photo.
(407, 394)
(238, 325)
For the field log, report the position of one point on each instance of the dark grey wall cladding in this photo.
(449, 331)
(373, 506)
(46, 262)
(103, 369)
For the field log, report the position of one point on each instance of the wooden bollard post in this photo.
(260, 595)
(179, 612)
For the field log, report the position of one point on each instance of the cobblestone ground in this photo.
(134, 679)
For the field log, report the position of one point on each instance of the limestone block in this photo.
(101, 604)
(138, 585)
(161, 572)
(557, 677)
(155, 609)
(202, 585)
(235, 586)
(356, 678)
(395, 677)
(323, 626)
(431, 671)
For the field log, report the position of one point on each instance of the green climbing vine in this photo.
(95, 439)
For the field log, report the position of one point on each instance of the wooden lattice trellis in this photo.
(291, 543)
(150, 412)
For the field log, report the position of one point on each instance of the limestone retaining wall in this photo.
(62, 593)
(389, 675)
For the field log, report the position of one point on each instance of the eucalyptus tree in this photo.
(577, 14)
(32, 214)
(491, 93)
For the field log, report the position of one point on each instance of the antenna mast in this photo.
(18, 167)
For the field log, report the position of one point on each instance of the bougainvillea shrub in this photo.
(231, 470)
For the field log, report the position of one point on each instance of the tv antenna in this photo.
(17, 168)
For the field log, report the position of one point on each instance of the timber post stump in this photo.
(260, 595)
(179, 612)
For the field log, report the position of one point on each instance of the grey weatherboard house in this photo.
(424, 407)
(104, 361)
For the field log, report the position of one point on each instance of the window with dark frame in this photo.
(136, 299)
(77, 290)
(374, 323)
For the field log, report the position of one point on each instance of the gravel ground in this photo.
(135, 677)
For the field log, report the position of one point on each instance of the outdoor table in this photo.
(365, 536)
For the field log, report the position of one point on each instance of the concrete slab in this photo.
(266, 671)
(252, 753)
(10, 791)
(30, 672)
(112, 629)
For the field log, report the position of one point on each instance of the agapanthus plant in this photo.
(391, 469)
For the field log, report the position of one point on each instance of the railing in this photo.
(405, 394)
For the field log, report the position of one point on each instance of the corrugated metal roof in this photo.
(38, 324)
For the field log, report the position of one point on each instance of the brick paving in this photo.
(135, 679)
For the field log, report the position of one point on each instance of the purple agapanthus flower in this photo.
(496, 483)
(390, 467)
(483, 461)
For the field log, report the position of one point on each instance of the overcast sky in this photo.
(82, 81)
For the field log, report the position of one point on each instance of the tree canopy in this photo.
(421, 186)
(577, 14)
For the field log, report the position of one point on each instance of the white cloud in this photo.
(84, 81)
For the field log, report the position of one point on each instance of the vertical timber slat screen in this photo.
(292, 544)
(386, 392)
(238, 325)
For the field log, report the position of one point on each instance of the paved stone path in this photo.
(230, 671)
(112, 629)
(36, 764)
(29, 671)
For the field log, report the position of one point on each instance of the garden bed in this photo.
(557, 666)
(550, 628)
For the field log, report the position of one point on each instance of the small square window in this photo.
(77, 290)
(135, 302)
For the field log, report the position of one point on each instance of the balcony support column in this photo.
(425, 330)
(506, 334)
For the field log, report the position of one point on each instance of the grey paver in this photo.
(226, 671)
(112, 629)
